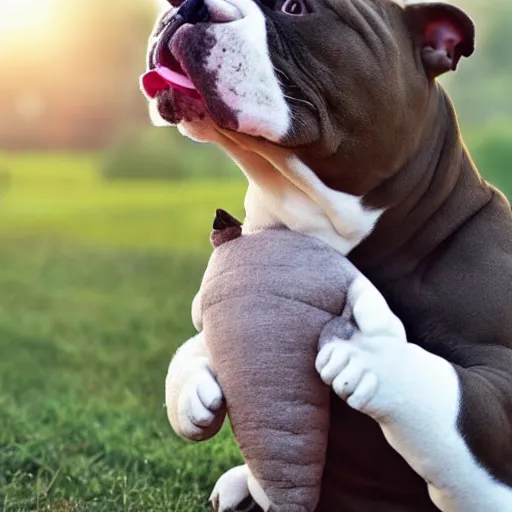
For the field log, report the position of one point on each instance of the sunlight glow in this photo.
(26, 18)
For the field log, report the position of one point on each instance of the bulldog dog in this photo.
(332, 110)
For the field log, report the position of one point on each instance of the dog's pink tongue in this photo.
(162, 78)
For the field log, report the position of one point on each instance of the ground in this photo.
(96, 281)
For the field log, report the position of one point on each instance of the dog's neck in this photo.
(395, 220)
(431, 196)
(284, 191)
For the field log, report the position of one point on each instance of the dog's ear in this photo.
(443, 33)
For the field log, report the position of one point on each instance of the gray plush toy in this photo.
(264, 301)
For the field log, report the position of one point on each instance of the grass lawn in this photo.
(96, 282)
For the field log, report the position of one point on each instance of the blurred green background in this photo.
(104, 224)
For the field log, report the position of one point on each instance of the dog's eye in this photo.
(294, 7)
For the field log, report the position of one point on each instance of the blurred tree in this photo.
(159, 154)
(492, 152)
(481, 86)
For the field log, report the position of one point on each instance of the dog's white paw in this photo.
(349, 371)
(199, 403)
(231, 492)
(364, 370)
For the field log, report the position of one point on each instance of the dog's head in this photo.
(350, 79)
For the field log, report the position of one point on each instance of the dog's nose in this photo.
(194, 11)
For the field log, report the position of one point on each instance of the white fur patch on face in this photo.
(245, 78)
(223, 11)
(415, 397)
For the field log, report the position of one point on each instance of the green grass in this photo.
(63, 196)
(96, 283)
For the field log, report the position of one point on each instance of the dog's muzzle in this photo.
(165, 72)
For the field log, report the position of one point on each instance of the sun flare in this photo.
(28, 18)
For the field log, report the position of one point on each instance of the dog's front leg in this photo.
(194, 400)
(415, 396)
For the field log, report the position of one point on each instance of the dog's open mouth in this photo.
(166, 74)
(163, 79)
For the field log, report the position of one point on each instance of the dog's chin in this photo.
(188, 113)
(200, 116)
(175, 106)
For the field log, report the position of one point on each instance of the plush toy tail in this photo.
(225, 228)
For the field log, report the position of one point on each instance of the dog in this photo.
(332, 110)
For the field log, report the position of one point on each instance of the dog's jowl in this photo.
(332, 110)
